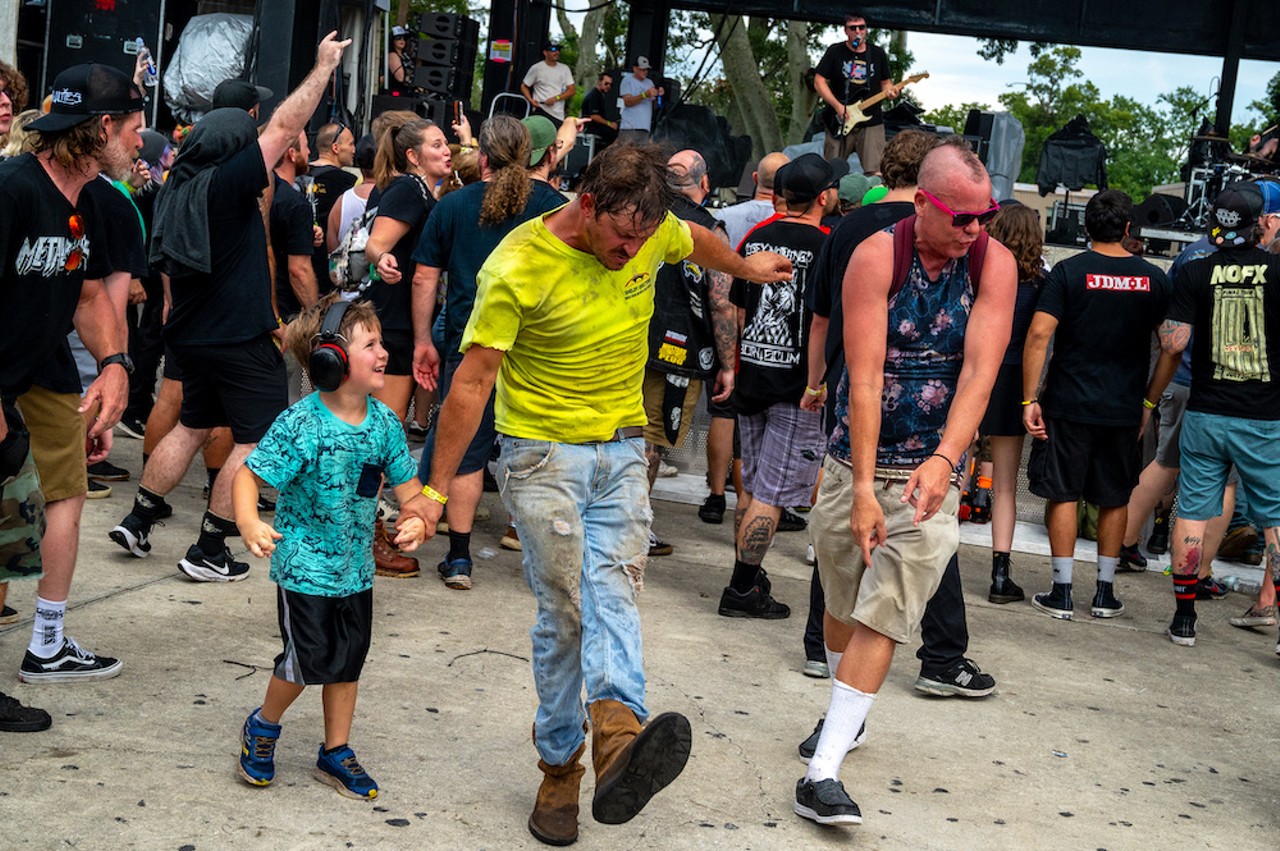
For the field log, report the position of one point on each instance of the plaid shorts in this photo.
(782, 450)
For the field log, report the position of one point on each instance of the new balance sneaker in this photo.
(16, 718)
(659, 548)
(456, 573)
(1105, 603)
(712, 510)
(756, 603)
(258, 750)
(106, 471)
(132, 534)
(202, 567)
(71, 663)
(810, 745)
(789, 521)
(826, 802)
(1210, 589)
(1057, 603)
(343, 771)
(963, 679)
(1182, 631)
(1131, 560)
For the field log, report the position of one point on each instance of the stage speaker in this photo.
(1159, 210)
(446, 25)
(386, 103)
(1068, 225)
(445, 54)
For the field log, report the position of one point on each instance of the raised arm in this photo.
(713, 252)
(291, 116)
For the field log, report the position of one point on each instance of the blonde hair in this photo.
(21, 140)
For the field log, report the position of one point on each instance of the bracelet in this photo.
(944, 458)
(1148, 404)
(815, 391)
(1031, 401)
(431, 493)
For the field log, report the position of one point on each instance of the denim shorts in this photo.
(1210, 444)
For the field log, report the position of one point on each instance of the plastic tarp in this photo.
(211, 49)
(697, 127)
(1004, 157)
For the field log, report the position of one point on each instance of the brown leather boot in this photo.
(632, 763)
(387, 560)
(554, 819)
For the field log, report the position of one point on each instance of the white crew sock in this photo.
(46, 632)
(1107, 568)
(1062, 567)
(845, 716)
(833, 660)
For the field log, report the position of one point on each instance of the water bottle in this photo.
(1240, 584)
(150, 75)
(658, 101)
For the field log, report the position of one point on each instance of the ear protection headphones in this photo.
(328, 363)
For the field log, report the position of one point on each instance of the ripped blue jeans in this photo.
(583, 516)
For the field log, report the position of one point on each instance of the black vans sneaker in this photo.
(1057, 603)
(200, 567)
(810, 745)
(1105, 604)
(826, 802)
(72, 662)
(1182, 631)
(756, 603)
(132, 534)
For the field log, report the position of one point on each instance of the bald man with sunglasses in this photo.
(921, 354)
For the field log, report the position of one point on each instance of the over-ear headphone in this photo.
(328, 364)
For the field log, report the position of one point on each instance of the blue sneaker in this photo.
(258, 750)
(343, 771)
(456, 573)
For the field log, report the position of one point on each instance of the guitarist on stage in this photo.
(850, 72)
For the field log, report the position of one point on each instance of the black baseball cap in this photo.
(552, 44)
(1235, 211)
(239, 94)
(805, 177)
(83, 91)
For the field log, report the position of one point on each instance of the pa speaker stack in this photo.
(445, 56)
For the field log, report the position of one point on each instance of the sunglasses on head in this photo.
(963, 219)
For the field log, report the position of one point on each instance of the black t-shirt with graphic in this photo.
(291, 236)
(232, 302)
(1107, 308)
(48, 247)
(406, 200)
(1232, 299)
(772, 357)
(854, 76)
(123, 250)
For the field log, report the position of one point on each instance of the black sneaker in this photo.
(756, 603)
(964, 679)
(1158, 543)
(789, 521)
(8, 615)
(223, 568)
(712, 510)
(16, 718)
(132, 427)
(826, 802)
(1131, 561)
(97, 490)
(1182, 631)
(659, 548)
(72, 662)
(1105, 604)
(810, 745)
(163, 510)
(1057, 603)
(132, 534)
(107, 472)
(1210, 589)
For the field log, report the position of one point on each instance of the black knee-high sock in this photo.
(459, 545)
(1184, 593)
(213, 533)
(744, 576)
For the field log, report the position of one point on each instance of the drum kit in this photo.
(1210, 172)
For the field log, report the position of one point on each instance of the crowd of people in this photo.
(868, 343)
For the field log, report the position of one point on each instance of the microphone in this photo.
(857, 40)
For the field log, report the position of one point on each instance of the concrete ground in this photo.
(1101, 734)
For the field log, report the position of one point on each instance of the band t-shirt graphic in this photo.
(772, 363)
(1232, 299)
(854, 77)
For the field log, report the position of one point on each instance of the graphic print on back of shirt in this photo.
(775, 335)
(1239, 335)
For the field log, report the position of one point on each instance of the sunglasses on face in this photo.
(855, 26)
(963, 219)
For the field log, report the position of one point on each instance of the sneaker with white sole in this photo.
(258, 750)
(71, 663)
(343, 771)
(132, 533)
(817, 669)
(1182, 631)
(809, 746)
(826, 802)
(963, 679)
(201, 567)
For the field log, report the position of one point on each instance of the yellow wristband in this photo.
(1148, 404)
(815, 391)
(431, 493)
(1026, 402)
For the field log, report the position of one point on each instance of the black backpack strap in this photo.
(904, 247)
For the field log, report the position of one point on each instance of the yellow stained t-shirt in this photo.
(575, 334)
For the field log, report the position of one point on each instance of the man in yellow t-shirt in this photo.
(560, 322)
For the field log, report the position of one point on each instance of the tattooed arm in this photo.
(724, 327)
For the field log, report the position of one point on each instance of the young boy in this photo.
(326, 455)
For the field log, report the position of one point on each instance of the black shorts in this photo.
(1004, 411)
(720, 410)
(171, 370)
(241, 385)
(399, 346)
(1100, 463)
(326, 639)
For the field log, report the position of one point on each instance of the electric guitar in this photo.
(855, 113)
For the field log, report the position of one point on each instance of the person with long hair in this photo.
(463, 230)
(1017, 227)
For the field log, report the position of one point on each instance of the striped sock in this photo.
(1184, 593)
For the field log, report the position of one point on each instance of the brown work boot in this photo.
(387, 560)
(554, 819)
(633, 764)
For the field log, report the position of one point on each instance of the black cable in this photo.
(603, 5)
